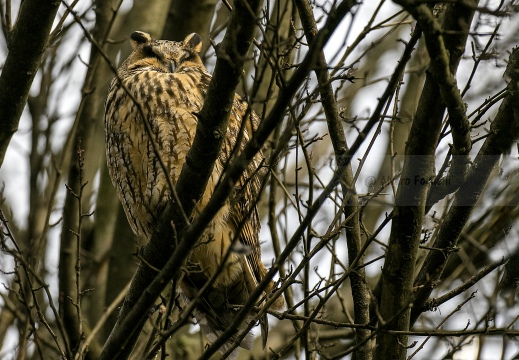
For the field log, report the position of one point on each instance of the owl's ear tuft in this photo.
(194, 42)
(139, 37)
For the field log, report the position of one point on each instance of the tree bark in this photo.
(26, 43)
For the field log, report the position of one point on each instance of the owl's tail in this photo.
(217, 310)
(214, 321)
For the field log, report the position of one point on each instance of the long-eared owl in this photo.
(164, 83)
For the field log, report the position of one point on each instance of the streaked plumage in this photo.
(169, 83)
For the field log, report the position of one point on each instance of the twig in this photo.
(109, 310)
(444, 320)
(29, 274)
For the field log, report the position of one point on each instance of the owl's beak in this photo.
(172, 66)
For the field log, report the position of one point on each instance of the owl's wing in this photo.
(249, 220)
(244, 214)
(243, 204)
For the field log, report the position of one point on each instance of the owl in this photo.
(164, 84)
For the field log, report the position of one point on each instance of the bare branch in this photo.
(27, 43)
(503, 131)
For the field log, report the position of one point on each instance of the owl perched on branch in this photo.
(164, 83)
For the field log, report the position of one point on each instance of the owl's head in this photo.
(163, 55)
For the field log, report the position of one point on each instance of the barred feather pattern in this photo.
(164, 83)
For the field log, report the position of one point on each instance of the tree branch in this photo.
(503, 132)
(360, 291)
(26, 43)
(446, 45)
(418, 170)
